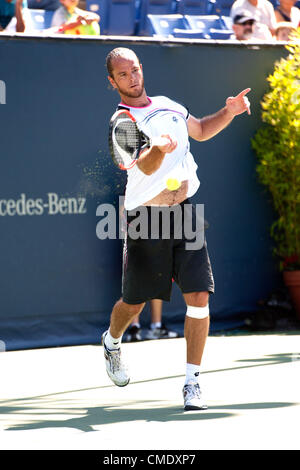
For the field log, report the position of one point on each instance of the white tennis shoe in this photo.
(193, 399)
(115, 368)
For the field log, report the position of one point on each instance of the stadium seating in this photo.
(192, 7)
(227, 20)
(212, 25)
(43, 4)
(189, 26)
(222, 7)
(121, 17)
(152, 7)
(205, 22)
(117, 17)
(162, 17)
(189, 34)
(40, 19)
(101, 8)
(163, 25)
(220, 34)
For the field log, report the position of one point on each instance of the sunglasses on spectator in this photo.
(249, 22)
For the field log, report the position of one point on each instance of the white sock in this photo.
(155, 325)
(192, 373)
(112, 343)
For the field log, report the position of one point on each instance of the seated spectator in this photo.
(286, 11)
(283, 31)
(243, 26)
(14, 16)
(68, 19)
(263, 12)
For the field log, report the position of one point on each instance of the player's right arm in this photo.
(151, 159)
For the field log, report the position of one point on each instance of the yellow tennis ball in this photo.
(173, 184)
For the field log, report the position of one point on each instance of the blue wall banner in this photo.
(58, 279)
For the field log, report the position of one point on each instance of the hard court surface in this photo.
(61, 398)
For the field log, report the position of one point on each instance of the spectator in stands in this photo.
(286, 11)
(157, 329)
(13, 16)
(243, 26)
(69, 19)
(263, 12)
(283, 31)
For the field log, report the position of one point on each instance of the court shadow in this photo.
(55, 411)
(273, 359)
(44, 416)
(102, 415)
(253, 406)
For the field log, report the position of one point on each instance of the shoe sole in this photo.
(195, 408)
(118, 384)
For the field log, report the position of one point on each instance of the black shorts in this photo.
(163, 244)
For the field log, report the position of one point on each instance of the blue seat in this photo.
(190, 34)
(164, 25)
(212, 25)
(220, 33)
(43, 4)
(121, 17)
(227, 20)
(204, 22)
(192, 7)
(117, 17)
(152, 7)
(101, 8)
(40, 19)
(222, 7)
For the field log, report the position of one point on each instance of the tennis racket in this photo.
(126, 140)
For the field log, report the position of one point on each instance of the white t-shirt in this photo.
(263, 13)
(161, 116)
(294, 17)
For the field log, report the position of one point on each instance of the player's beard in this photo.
(134, 93)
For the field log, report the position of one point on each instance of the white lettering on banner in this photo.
(53, 205)
(2, 92)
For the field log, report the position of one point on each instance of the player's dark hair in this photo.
(115, 54)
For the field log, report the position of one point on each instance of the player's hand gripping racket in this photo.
(126, 140)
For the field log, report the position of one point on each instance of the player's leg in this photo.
(147, 267)
(193, 274)
(121, 317)
(196, 329)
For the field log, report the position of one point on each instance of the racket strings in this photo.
(128, 137)
(125, 140)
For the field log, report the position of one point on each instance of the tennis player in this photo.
(163, 177)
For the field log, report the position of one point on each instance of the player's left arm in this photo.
(207, 127)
